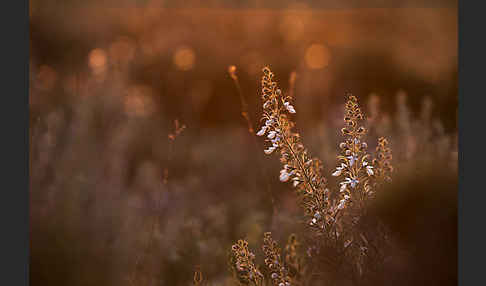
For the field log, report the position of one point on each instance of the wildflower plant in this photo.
(383, 162)
(334, 216)
(355, 168)
(242, 263)
(299, 167)
(273, 260)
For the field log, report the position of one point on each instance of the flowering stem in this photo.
(300, 164)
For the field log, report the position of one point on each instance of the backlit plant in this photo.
(332, 215)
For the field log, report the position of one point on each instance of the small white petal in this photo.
(341, 205)
(337, 172)
(271, 134)
(369, 170)
(343, 188)
(269, 150)
(284, 176)
(289, 107)
(262, 131)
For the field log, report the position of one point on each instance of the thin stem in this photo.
(244, 105)
(245, 114)
(301, 165)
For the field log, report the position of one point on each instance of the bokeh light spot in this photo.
(317, 56)
(184, 58)
(97, 60)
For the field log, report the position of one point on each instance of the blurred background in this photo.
(118, 197)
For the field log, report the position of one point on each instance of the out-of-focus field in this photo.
(113, 200)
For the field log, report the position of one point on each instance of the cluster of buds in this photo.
(292, 258)
(383, 162)
(354, 167)
(298, 167)
(279, 273)
(244, 265)
(275, 106)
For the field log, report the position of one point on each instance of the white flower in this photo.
(341, 204)
(352, 182)
(289, 107)
(352, 159)
(296, 182)
(268, 122)
(284, 176)
(369, 170)
(262, 131)
(270, 150)
(343, 187)
(314, 221)
(339, 170)
(271, 134)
